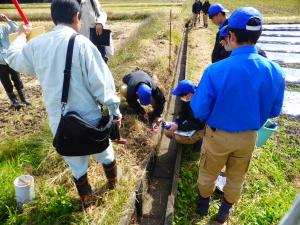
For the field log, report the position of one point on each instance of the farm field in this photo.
(141, 37)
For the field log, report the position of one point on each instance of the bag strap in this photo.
(67, 72)
(94, 8)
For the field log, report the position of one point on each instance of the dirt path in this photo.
(201, 42)
(122, 30)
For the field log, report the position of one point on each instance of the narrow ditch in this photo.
(154, 197)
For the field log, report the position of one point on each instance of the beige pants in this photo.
(219, 149)
(205, 19)
(123, 90)
(197, 136)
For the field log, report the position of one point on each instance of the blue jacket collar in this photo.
(244, 49)
(223, 24)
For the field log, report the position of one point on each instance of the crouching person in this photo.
(91, 82)
(186, 122)
(139, 86)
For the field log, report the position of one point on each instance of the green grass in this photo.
(271, 185)
(23, 155)
(293, 87)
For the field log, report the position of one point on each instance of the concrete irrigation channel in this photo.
(281, 42)
(154, 198)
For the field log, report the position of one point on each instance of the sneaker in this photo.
(224, 211)
(202, 205)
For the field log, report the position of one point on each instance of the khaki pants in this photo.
(197, 136)
(219, 149)
(205, 19)
(123, 90)
(195, 18)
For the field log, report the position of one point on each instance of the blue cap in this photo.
(224, 31)
(184, 87)
(215, 9)
(145, 94)
(241, 16)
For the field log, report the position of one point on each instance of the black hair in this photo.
(247, 36)
(62, 11)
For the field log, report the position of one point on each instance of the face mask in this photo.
(184, 99)
(227, 47)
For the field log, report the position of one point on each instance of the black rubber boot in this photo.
(23, 98)
(224, 211)
(202, 205)
(83, 187)
(113, 174)
(197, 146)
(14, 101)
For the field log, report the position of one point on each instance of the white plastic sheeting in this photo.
(281, 27)
(291, 105)
(281, 33)
(284, 58)
(292, 75)
(280, 40)
(279, 47)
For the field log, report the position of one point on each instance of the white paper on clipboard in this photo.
(185, 133)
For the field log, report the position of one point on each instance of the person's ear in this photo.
(231, 37)
(220, 18)
(232, 40)
(76, 21)
(76, 18)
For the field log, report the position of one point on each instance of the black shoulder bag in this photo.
(75, 136)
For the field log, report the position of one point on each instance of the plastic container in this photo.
(265, 132)
(24, 188)
(166, 126)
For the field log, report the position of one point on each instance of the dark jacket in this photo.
(219, 52)
(133, 80)
(205, 7)
(186, 120)
(197, 7)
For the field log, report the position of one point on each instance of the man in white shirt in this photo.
(91, 81)
(93, 16)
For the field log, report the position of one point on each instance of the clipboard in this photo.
(100, 40)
